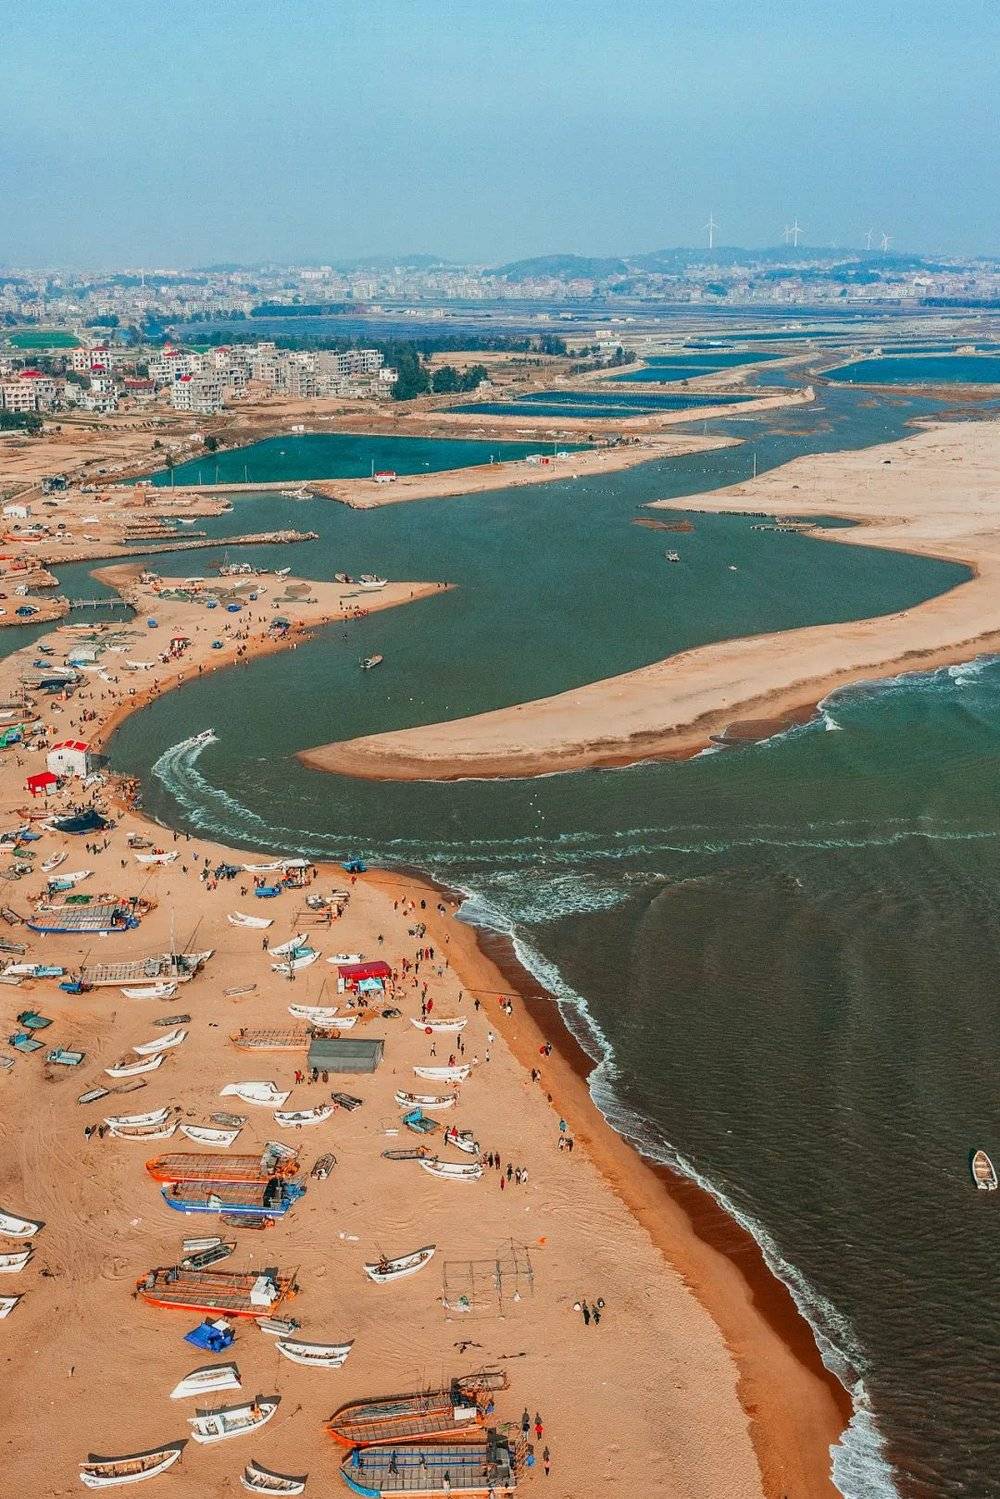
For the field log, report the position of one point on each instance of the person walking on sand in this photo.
(546, 1461)
(525, 1421)
(539, 1428)
(585, 1309)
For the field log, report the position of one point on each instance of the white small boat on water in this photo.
(384, 1270)
(125, 1068)
(7, 1305)
(452, 1171)
(206, 1381)
(296, 1117)
(109, 1472)
(156, 858)
(237, 918)
(208, 1134)
(151, 991)
(286, 948)
(145, 1132)
(444, 1023)
(161, 1043)
(262, 1481)
(232, 1420)
(53, 862)
(983, 1172)
(443, 1074)
(268, 1095)
(316, 1355)
(426, 1101)
(11, 1263)
(315, 1014)
(136, 1121)
(13, 1227)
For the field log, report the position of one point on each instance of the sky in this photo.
(185, 133)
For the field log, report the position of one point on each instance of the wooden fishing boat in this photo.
(108, 1472)
(443, 1074)
(262, 1481)
(204, 1259)
(452, 1171)
(315, 1014)
(161, 1043)
(252, 1039)
(232, 1420)
(278, 1327)
(258, 1199)
(225, 1293)
(13, 1227)
(267, 1094)
(167, 1022)
(983, 1172)
(298, 958)
(368, 663)
(178, 968)
(145, 1132)
(53, 862)
(427, 1415)
(7, 1305)
(462, 1139)
(296, 1117)
(156, 858)
(207, 1380)
(151, 991)
(186, 1166)
(384, 1270)
(137, 1121)
(426, 1101)
(315, 1355)
(443, 1023)
(125, 1068)
(11, 1263)
(207, 1134)
(286, 948)
(260, 923)
(434, 1470)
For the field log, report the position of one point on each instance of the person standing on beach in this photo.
(585, 1309)
(546, 1461)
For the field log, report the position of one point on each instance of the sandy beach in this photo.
(932, 494)
(700, 1378)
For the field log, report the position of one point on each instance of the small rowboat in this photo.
(462, 1139)
(136, 1121)
(7, 1305)
(53, 862)
(427, 1101)
(155, 858)
(298, 958)
(384, 1270)
(192, 1246)
(237, 918)
(66, 881)
(262, 1481)
(107, 1472)
(316, 1355)
(13, 1227)
(125, 1068)
(295, 1117)
(161, 1043)
(317, 1014)
(206, 1381)
(206, 1134)
(443, 1074)
(11, 1263)
(151, 991)
(983, 1172)
(145, 1132)
(278, 1327)
(268, 1094)
(232, 1420)
(445, 1023)
(452, 1170)
(286, 948)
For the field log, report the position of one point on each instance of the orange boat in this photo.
(228, 1293)
(430, 1416)
(186, 1166)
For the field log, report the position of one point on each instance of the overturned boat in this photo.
(206, 1381)
(266, 1094)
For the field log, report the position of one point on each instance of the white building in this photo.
(71, 757)
(199, 394)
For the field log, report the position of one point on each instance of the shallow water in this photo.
(906, 369)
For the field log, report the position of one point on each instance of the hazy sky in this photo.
(184, 131)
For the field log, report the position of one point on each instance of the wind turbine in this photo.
(711, 226)
(787, 234)
(886, 239)
(795, 230)
(868, 240)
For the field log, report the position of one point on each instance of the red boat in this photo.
(226, 1293)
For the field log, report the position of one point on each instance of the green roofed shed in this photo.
(333, 1054)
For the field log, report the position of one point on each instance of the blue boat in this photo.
(270, 1198)
(432, 1469)
(267, 892)
(89, 821)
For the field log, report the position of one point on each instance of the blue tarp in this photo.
(208, 1336)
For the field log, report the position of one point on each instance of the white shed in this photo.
(71, 757)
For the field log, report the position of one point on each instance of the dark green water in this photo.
(783, 957)
(906, 369)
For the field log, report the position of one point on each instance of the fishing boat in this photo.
(672, 556)
(33, 971)
(125, 1068)
(161, 967)
(297, 1117)
(161, 1043)
(7, 1305)
(289, 947)
(452, 1170)
(315, 1355)
(67, 881)
(268, 1095)
(144, 1132)
(983, 1172)
(278, 1327)
(290, 1039)
(207, 1134)
(237, 918)
(13, 1227)
(384, 1270)
(370, 582)
(462, 1139)
(262, 1481)
(108, 1472)
(232, 1420)
(257, 1199)
(298, 958)
(157, 858)
(315, 1014)
(204, 1259)
(53, 862)
(205, 737)
(186, 1166)
(368, 663)
(443, 1023)
(151, 991)
(226, 1293)
(428, 1101)
(11, 1263)
(102, 919)
(206, 1381)
(427, 1415)
(192, 1246)
(482, 1469)
(443, 1074)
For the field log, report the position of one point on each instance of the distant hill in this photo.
(566, 267)
(784, 259)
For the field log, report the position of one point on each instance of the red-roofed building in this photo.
(42, 784)
(70, 757)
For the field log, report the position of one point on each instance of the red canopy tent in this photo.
(349, 974)
(42, 784)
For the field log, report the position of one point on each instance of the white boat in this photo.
(278, 1327)
(299, 940)
(983, 1172)
(237, 918)
(303, 957)
(161, 1043)
(206, 1381)
(13, 1227)
(207, 735)
(124, 1068)
(232, 1420)
(318, 1355)
(426, 1101)
(136, 1121)
(109, 1472)
(444, 1074)
(384, 1270)
(452, 1171)
(195, 1246)
(316, 1014)
(156, 858)
(268, 1095)
(53, 862)
(369, 583)
(346, 957)
(78, 876)
(7, 1305)
(445, 1023)
(10, 1263)
(296, 1117)
(146, 1132)
(151, 991)
(463, 1140)
(262, 1481)
(207, 1134)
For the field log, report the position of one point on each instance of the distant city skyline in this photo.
(304, 133)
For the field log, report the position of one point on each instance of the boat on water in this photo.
(227, 1293)
(443, 1074)
(259, 1199)
(187, 1166)
(482, 1469)
(206, 1381)
(237, 918)
(151, 991)
(672, 556)
(109, 1472)
(425, 1415)
(232, 1420)
(983, 1171)
(383, 1270)
(205, 737)
(209, 1134)
(127, 1068)
(427, 1101)
(453, 1171)
(295, 1118)
(13, 1227)
(441, 1023)
(368, 663)
(315, 1355)
(11, 1263)
(161, 1043)
(266, 1094)
(262, 1481)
